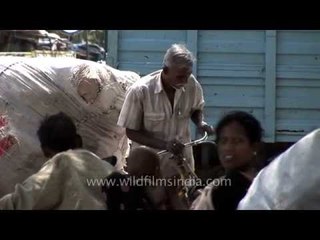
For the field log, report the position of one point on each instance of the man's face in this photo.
(88, 90)
(178, 76)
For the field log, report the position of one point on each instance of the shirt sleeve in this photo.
(40, 188)
(199, 102)
(131, 114)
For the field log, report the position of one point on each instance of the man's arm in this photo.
(197, 119)
(197, 114)
(142, 137)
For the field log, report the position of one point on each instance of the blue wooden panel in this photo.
(242, 70)
(112, 53)
(231, 58)
(299, 92)
(300, 82)
(140, 68)
(298, 74)
(296, 127)
(215, 113)
(283, 137)
(298, 48)
(145, 45)
(240, 91)
(231, 81)
(220, 72)
(234, 101)
(192, 43)
(298, 42)
(231, 68)
(299, 114)
(142, 51)
(240, 35)
(298, 103)
(270, 86)
(156, 35)
(230, 47)
(298, 36)
(312, 59)
(231, 41)
(141, 56)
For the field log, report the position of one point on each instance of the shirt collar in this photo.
(159, 85)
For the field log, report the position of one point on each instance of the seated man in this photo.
(139, 190)
(69, 180)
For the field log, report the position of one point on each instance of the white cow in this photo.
(289, 182)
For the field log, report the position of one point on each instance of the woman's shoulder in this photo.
(231, 190)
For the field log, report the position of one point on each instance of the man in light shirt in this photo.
(158, 107)
(66, 180)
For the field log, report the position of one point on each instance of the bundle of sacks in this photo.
(31, 88)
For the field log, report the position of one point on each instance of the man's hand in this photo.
(175, 147)
(204, 127)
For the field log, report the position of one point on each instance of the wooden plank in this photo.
(112, 56)
(231, 46)
(206, 58)
(174, 35)
(140, 57)
(298, 60)
(232, 67)
(138, 45)
(298, 75)
(298, 103)
(298, 48)
(299, 92)
(313, 83)
(240, 35)
(283, 137)
(234, 101)
(234, 90)
(231, 81)
(270, 85)
(298, 114)
(142, 69)
(230, 73)
(192, 44)
(298, 36)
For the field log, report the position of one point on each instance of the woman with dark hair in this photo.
(238, 138)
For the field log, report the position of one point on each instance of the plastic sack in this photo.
(30, 89)
(289, 182)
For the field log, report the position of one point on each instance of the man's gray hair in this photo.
(179, 55)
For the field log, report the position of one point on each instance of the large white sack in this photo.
(31, 88)
(291, 181)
